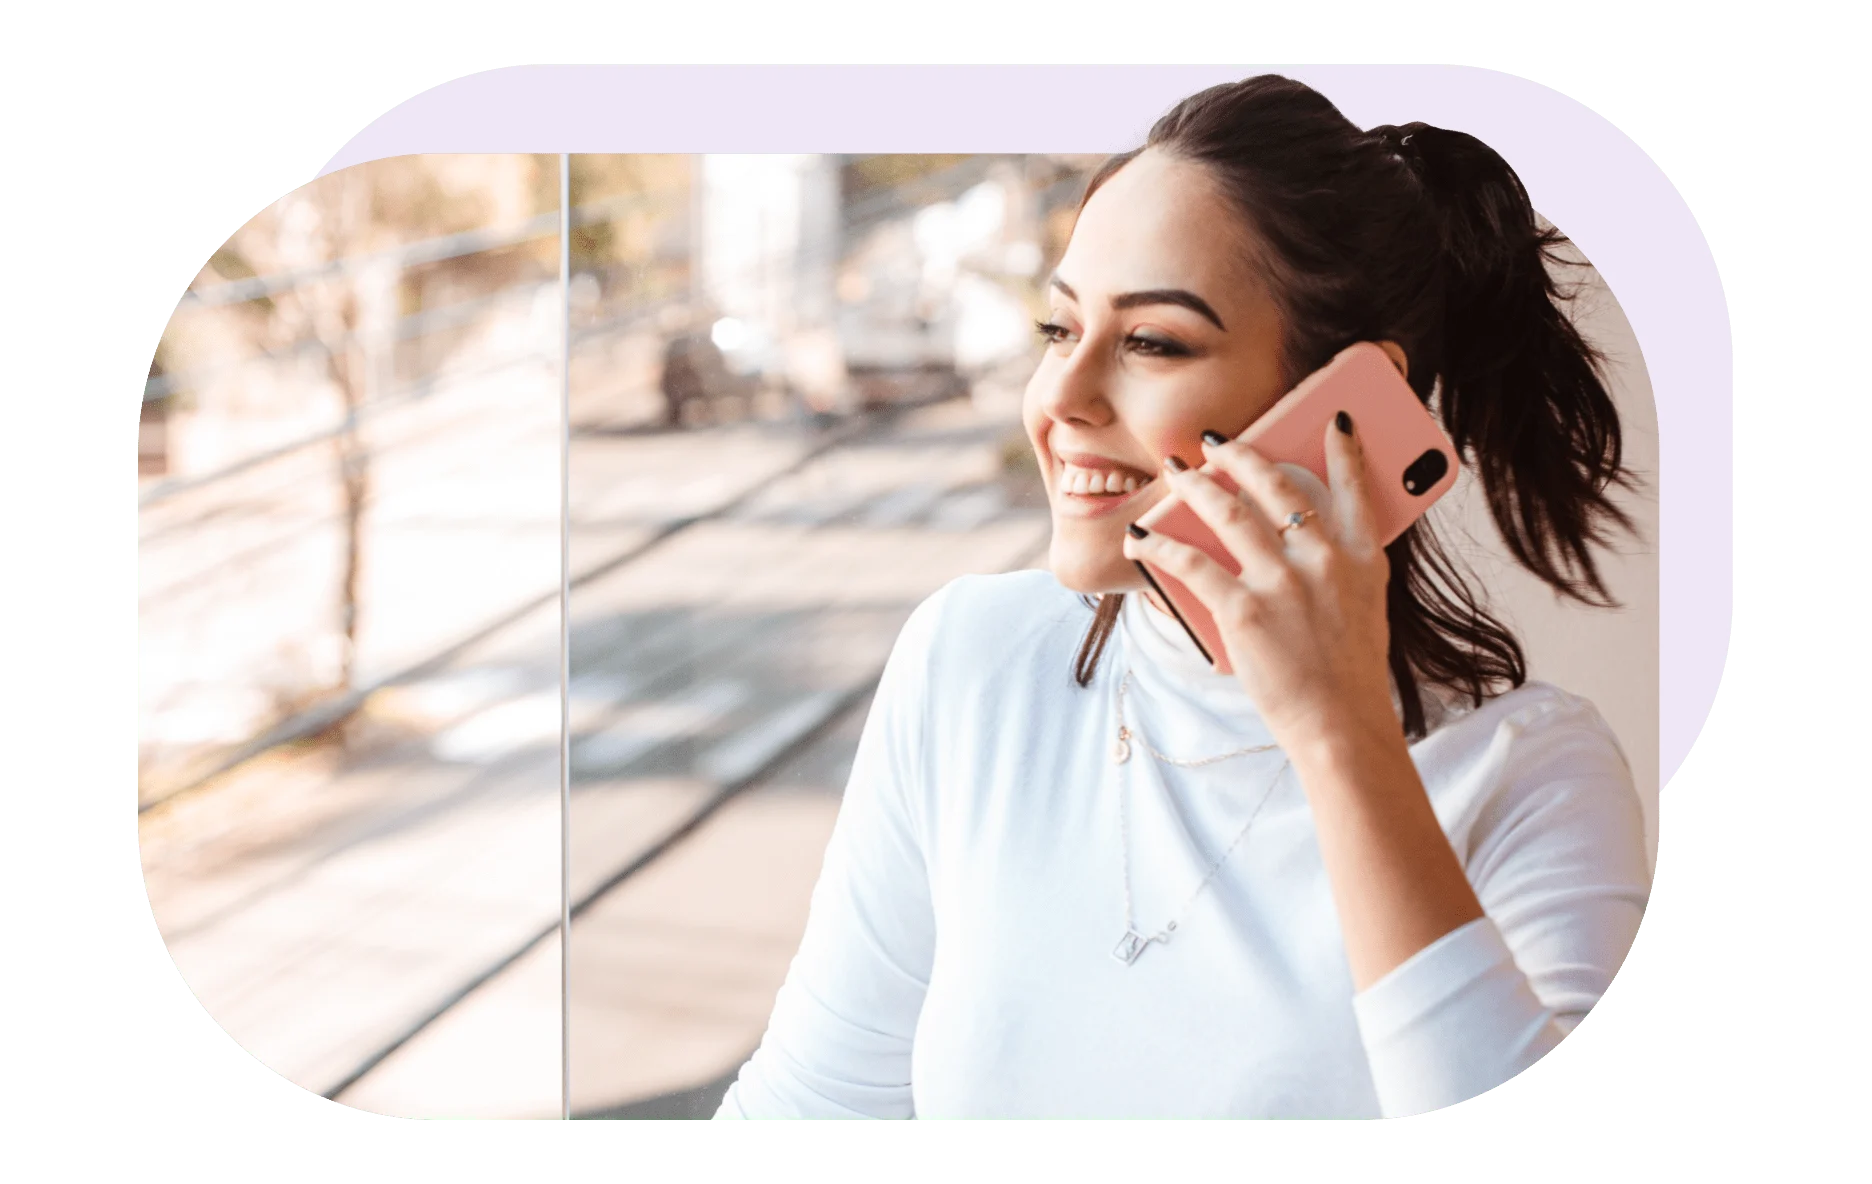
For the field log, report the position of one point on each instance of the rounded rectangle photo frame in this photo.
(1583, 175)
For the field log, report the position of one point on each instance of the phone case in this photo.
(1410, 462)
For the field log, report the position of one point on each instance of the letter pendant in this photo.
(1121, 751)
(1130, 946)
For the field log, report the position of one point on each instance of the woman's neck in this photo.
(1159, 640)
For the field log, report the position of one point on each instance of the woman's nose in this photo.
(1078, 390)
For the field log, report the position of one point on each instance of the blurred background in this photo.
(794, 386)
(849, 357)
(348, 601)
(794, 392)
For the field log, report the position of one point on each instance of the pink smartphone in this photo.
(1411, 464)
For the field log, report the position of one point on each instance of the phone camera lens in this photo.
(1425, 472)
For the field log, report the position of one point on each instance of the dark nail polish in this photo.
(1174, 464)
(1136, 531)
(1343, 422)
(1217, 439)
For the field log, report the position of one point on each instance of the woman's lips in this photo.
(1091, 486)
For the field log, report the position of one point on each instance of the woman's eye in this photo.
(1138, 343)
(1155, 346)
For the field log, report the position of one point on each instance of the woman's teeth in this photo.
(1098, 481)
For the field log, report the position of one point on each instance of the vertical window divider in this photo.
(565, 649)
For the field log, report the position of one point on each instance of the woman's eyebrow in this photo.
(1189, 300)
(1177, 296)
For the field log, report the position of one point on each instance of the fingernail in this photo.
(1343, 422)
(1174, 464)
(1215, 439)
(1136, 531)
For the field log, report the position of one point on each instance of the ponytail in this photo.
(1521, 392)
(1425, 237)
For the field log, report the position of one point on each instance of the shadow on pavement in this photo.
(699, 1102)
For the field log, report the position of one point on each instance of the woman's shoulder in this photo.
(982, 646)
(1535, 769)
(1532, 744)
(996, 615)
(1534, 728)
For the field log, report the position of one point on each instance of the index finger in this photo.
(1351, 483)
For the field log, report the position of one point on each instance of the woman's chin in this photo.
(1092, 574)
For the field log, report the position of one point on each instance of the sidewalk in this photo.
(323, 900)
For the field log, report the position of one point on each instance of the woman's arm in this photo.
(1396, 883)
(1556, 853)
(838, 1043)
(1445, 1009)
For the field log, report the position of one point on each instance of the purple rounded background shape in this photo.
(1581, 171)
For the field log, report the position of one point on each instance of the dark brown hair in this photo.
(1425, 237)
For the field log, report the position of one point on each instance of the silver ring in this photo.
(1298, 518)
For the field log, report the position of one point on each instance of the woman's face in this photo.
(1158, 331)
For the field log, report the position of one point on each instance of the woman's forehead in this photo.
(1158, 222)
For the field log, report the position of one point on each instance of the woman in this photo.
(1374, 871)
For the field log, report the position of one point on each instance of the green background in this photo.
(139, 139)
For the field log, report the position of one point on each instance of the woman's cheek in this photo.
(1180, 437)
(1034, 422)
(1169, 417)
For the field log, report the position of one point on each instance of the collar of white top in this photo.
(1157, 643)
(1159, 639)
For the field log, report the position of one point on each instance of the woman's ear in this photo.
(1395, 352)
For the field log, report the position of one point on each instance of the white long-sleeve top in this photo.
(958, 954)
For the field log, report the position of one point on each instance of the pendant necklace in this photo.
(1121, 751)
(1134, 943)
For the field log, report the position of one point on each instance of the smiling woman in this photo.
(1372, 869)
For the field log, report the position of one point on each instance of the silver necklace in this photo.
(1121, 751)
(1133, 943)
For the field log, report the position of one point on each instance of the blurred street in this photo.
(791, 385)
(375, 911)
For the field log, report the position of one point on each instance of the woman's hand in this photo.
(1304, 623)
(1305, 629)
